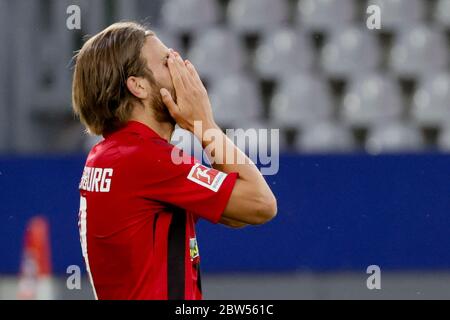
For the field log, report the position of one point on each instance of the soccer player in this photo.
(138, 207)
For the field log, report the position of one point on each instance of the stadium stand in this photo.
(350, 52)
(189, 16)
(431, 107)
(344, 73)
(371, 99)
(283, 52)
(325, 15)
(301, 100)
(401, 14)
(216, 52)
(257, 16)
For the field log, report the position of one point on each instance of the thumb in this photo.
(168, 101)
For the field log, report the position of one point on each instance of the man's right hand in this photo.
(251, 201)
(192, 98)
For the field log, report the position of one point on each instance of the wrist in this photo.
(204, 129)
(210, 125)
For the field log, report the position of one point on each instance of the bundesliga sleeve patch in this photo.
(207, 177)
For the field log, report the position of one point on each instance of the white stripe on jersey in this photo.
(83, 239)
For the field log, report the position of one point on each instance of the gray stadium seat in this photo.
(235, 98)
(217, 52)
(394, 137)
(94, 16)
(189, 15)
(265, 140)
(170, 39)
(372, 99)
(400, 14)
(419, 51)
(444, 139)
(283, 52)
(325, 15)
(431, 104)
(257, 16)
(442, 13)
(301, 100)
(126, 9)
(325, 137)
(350, 52)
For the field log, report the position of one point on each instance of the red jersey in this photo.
(137, 218)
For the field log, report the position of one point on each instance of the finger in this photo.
(175, 73)
(194, 74)
(184, 72)
(173, 108)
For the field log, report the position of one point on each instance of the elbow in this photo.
(236, 225)
(266, 210)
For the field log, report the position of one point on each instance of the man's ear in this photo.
(138, 87)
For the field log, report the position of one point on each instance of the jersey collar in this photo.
(139, 128)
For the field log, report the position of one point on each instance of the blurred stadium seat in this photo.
(235, 98)
(325, 137)
(351, 51)
(283, 52)
(217, 52)
(301, 100)
(372, 99)
(431, 104)
(442, 13)
(184, 16)
(419, 50)
(444, 139)
(265, 141)
(94, 15)
(257, 16)
(170, 39)
(325, 15)
(400, 14)
(126, 9)
(394, 137)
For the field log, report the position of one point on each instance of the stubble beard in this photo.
(159, 108)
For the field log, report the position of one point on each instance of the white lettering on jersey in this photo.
(96, 179)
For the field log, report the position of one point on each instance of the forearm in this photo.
(252, 201)
(225, 156)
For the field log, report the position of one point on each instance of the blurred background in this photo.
(364, 119)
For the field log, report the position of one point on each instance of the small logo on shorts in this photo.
(207, 177)
(193, 248)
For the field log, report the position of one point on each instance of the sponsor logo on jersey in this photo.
(207, 177)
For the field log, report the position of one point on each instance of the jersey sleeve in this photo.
(186, 184)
